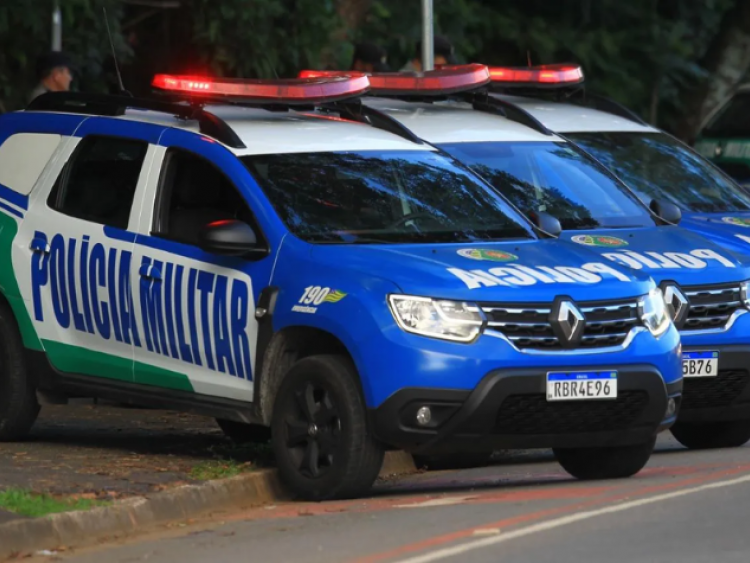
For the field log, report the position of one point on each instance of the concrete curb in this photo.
(76, 529)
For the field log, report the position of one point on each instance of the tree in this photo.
(726, 63)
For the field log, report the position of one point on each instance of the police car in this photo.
(509, 140)
(725, 138)
(276, 254)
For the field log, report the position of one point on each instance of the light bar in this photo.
(448, 79)
(289, 91)
(542, 75)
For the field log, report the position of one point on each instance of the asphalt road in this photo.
(686, 507)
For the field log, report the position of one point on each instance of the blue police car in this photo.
(276, 254)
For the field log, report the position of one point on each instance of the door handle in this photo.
(149, 272)
(39, 245)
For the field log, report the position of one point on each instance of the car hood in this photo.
(729, 229)
(667, 253)
(519, 271)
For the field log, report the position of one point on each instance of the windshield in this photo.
(731, 121)
(389, 197)
(656, 166)
(556, 179)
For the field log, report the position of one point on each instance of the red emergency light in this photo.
(448, 79)
(537, 76)
(286, 91)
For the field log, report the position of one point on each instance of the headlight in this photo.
(745, 293)
(449, 320)
(653, 312)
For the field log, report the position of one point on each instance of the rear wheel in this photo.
(320, 439)
(706, 435)
(605, 463)
(18, 403)
(242, 433)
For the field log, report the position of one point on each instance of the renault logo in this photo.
(567, 323)
(677, 304)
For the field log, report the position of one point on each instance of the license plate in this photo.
(700, 364)
(581, 385)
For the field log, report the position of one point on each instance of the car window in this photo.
(732, 120)
(373, 196)
(656, 166)
(193, 193)
(556, 179)
(98, 183)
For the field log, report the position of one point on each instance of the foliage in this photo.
(25, 33)
(263, 38)
(644, 53)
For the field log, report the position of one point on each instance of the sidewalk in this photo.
(110, 453)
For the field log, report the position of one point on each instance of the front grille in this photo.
(528, 326)
(711, 306)
(709, 392)
(533, 414)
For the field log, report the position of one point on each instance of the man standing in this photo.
(54, 72)
(444, 55)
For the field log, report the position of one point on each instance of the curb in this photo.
(76, 529)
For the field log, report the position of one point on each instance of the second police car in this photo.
(288, 264)
(705, 283)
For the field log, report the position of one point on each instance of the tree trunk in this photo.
(726, 62)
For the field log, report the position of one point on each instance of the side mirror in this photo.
(231, 238)
(548, 225)
(668, 212)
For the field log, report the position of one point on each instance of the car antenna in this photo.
(123, 91)
(528, 57)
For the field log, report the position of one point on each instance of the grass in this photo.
(31, 504)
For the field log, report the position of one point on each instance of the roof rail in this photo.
(490, 104)
(608, 105)
(112, 106)
(357, 111)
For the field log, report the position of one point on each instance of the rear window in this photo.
(733, 120)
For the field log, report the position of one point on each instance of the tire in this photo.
(242, 433)
(18, 402)
(605, 463)
(452, 461)
(707, 435)
(319, 426)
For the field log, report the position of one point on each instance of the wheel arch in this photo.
(284, 349)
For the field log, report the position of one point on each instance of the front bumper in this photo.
(508, 409)
(721, 398)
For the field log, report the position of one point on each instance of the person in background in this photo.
(369, 57)
(54, 71)
(444, 55)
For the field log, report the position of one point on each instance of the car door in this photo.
(77, 252)
(196, 307)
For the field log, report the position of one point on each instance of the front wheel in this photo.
(320, 439)
(706, 435)
(605, 463)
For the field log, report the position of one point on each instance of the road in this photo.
(686, 507)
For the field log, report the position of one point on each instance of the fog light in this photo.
(671, 407)
(424, 416)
